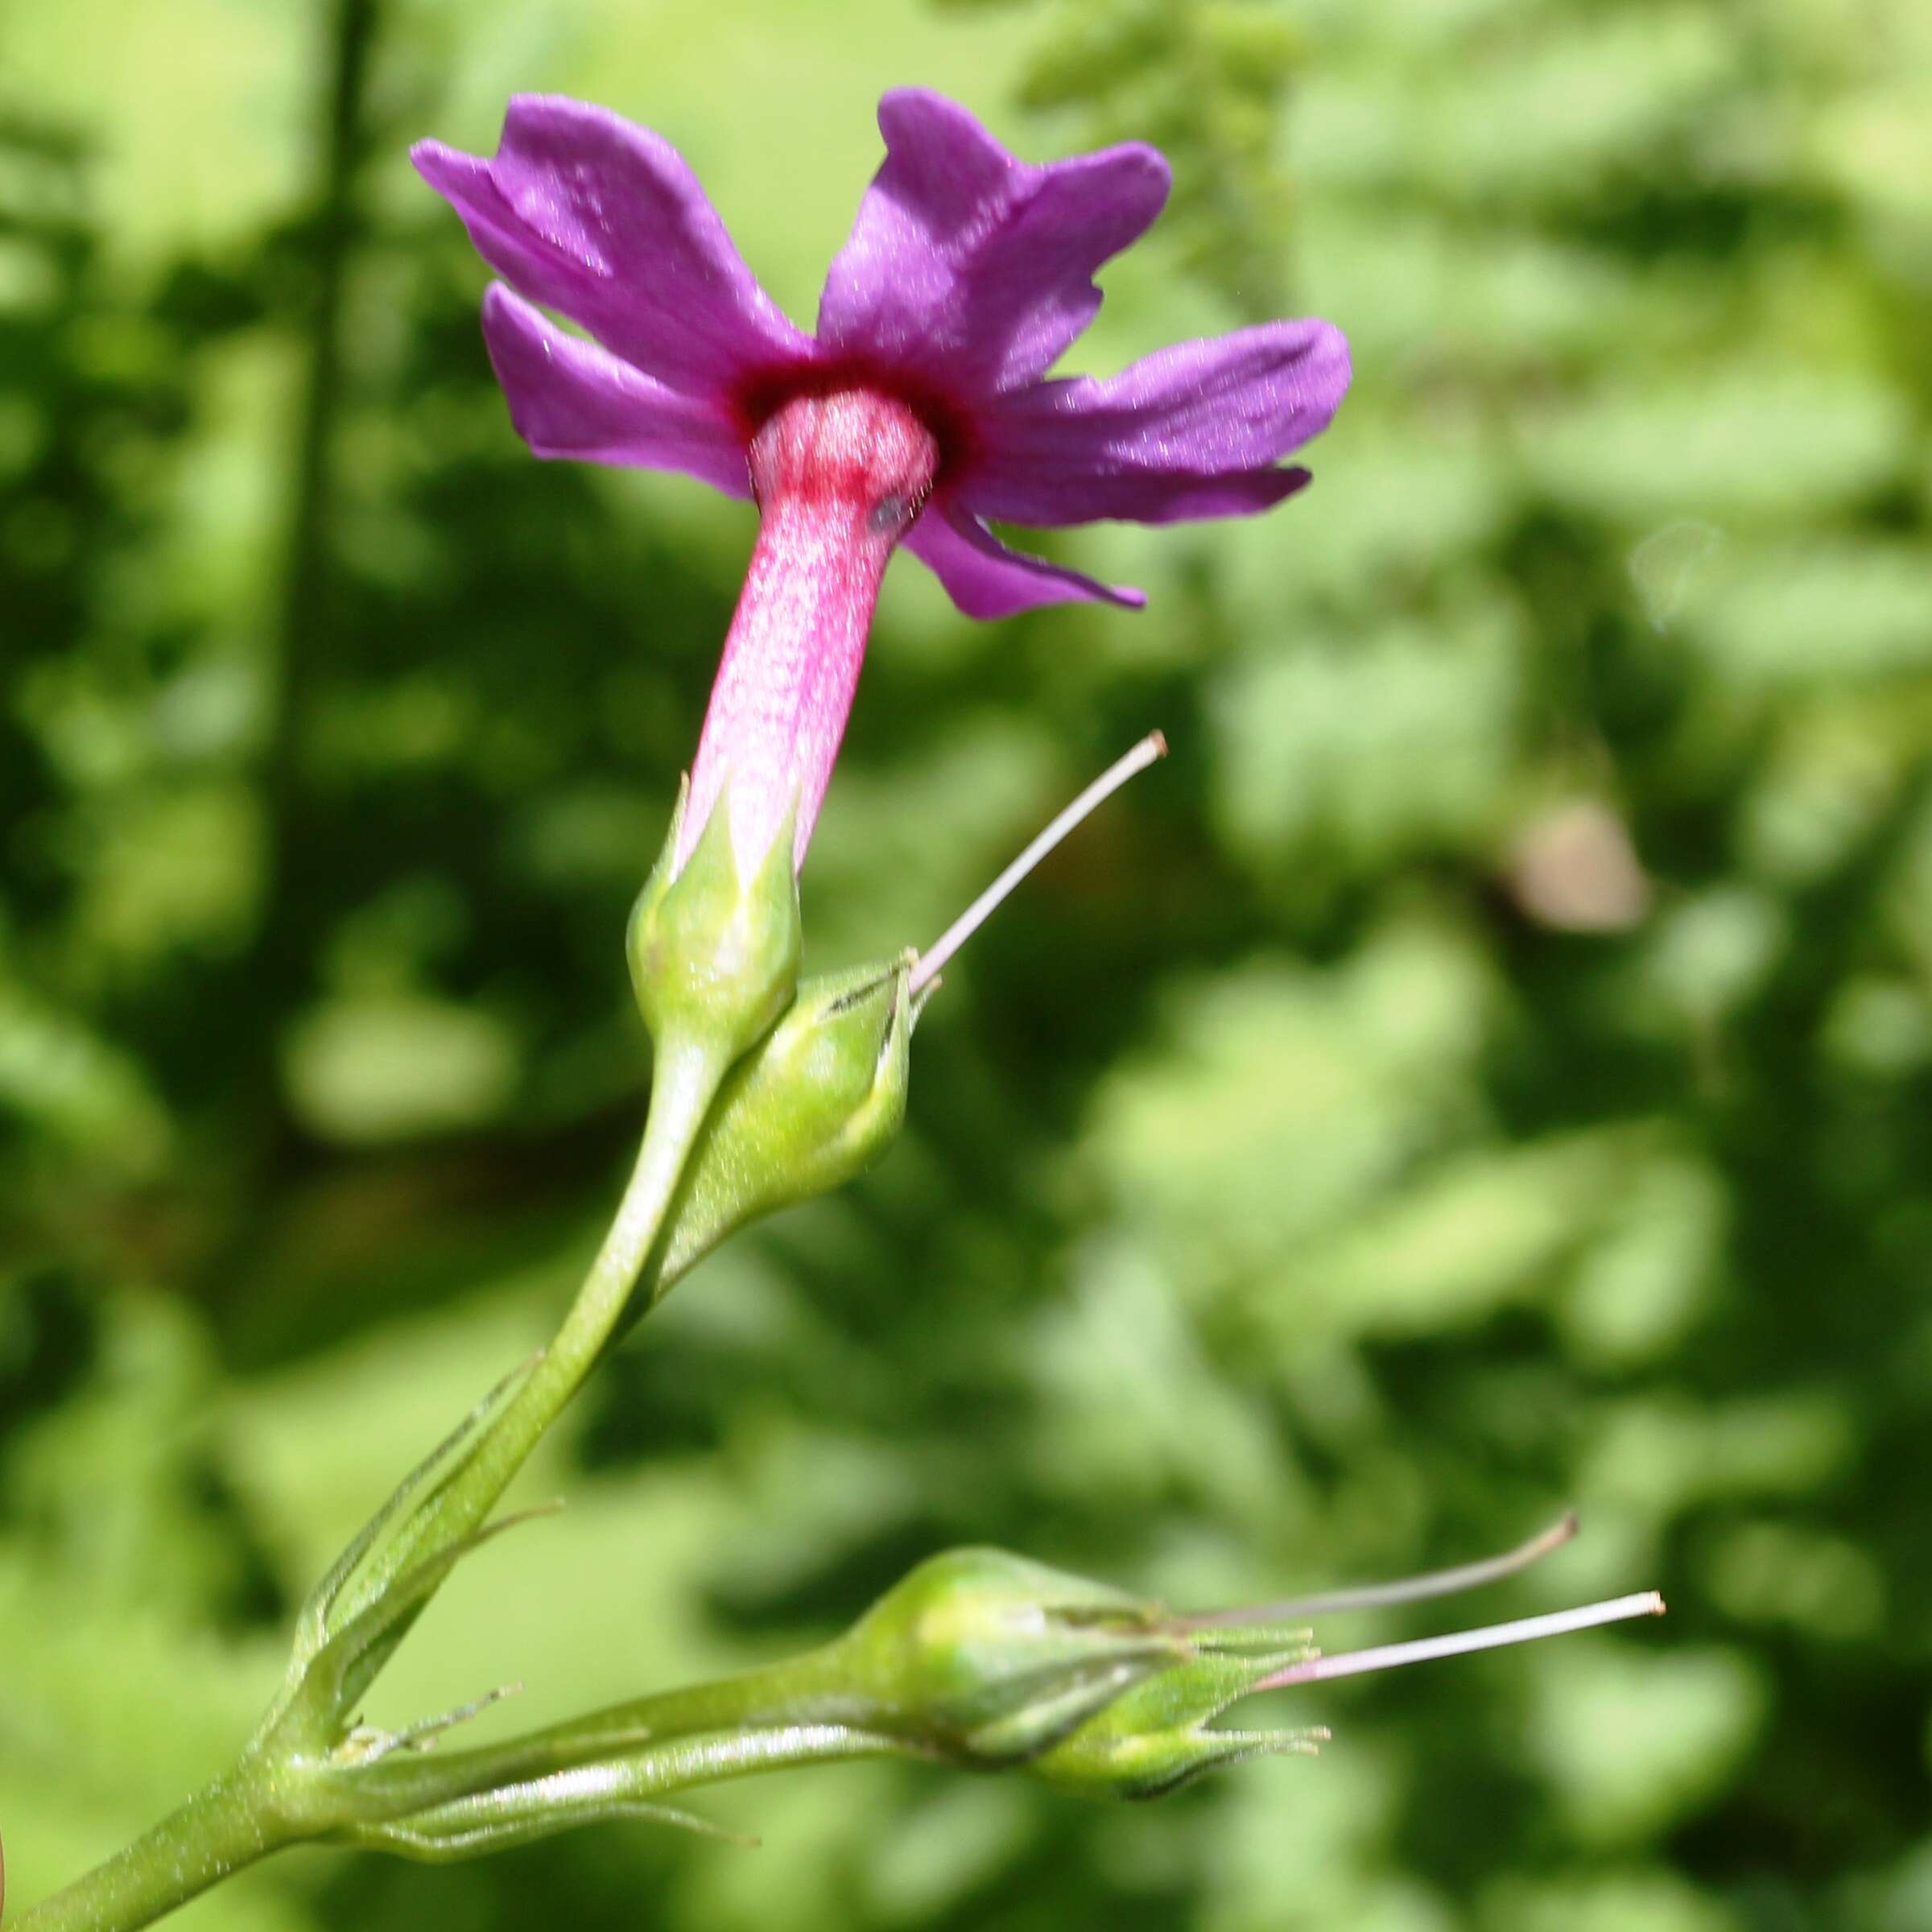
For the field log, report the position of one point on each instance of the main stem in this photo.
(230, 1824)
(685, 1085)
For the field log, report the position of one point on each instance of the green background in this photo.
(1488, 1068)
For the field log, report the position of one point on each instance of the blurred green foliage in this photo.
(1488, 1067)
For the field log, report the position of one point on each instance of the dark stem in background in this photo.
(275, 976)
(303, 626)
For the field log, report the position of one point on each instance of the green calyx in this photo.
(811, 1107)
(714, 958)
(989, 1659)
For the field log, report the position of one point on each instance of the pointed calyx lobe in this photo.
(839, 479)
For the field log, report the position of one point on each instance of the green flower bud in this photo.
(714, 958)
(988, 1659)
(811, 1107)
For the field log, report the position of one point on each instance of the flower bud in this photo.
(714, 958)
(988, 1659)
(810, 1107)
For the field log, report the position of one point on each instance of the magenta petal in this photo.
(973, 267)
(604, 221)
(1047, 502)
(569, 398)
(986, 579)
(1191, 432)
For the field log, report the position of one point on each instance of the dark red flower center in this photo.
(763, 396)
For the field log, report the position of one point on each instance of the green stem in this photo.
(629, 1787)
(685, 1084)
(805, 1694)
(230, 1824)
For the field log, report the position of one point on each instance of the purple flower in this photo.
(921, 408)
